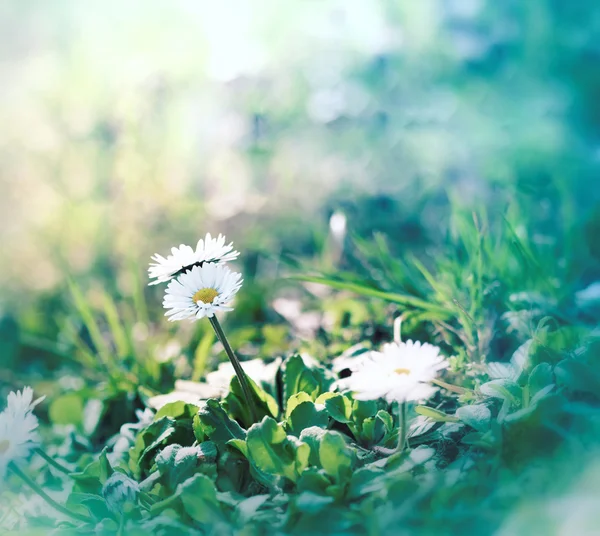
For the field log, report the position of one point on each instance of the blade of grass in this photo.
(201, 354)
(139, 299)
(371, 292)
(89, 321)
(116, 327)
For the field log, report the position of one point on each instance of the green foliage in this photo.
(239, 408)
(335, 457)
(304, 415)
(217, 425)
(300, 378)
(67, 409)
(491, 257)
(274, 452)
(199, 497)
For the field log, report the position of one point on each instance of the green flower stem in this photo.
(398, 330)
(403, 431)
(52, 462)
(63, 510)
(239, 371)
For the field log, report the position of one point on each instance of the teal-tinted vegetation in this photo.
(435, 161)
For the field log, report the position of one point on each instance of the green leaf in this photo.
(339, 408)
(315, 480)
(238, 407)
(151, 438)
(297, 377)
(177, 410)
(541, 394)
(67, 409)
(246, 510)
(311, 503)
(324, 397)
(373, 430)
(435, 414)
(504, 389)
(366, 480)
(240, 445)
(335, 456)
(386, 419)
(306, 415)
(274, 452)
(88, 503)
(578, 376)
(477, 416)
(217, 425)
(295, 400)
(478, 439)
(94, 476)
(540, 377)
(376, 429)
(234, 471)
(519, 361)
(175, 463)
(312, 437)
(154, 436)
(420, 425)
(199, 497)
(198, 429)
(362, 409)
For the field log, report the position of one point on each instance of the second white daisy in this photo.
(202, 291)
(183, 258)
(400, 372)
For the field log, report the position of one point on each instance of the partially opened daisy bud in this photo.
(201, 292)
(185, 258)
(399, 373)
(120, 492)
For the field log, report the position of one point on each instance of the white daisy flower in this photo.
(400, 372)
(184, 258)
(201, 292)
(21, 402)
(18, 426)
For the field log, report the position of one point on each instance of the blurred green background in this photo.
(131, 126)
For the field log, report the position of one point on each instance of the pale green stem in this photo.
(34, 486)
(403, 430)
(52, 462)
(398, 330)
(237, 367)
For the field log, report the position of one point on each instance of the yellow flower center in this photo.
(402, 371)
(205, 295)
(4, 444)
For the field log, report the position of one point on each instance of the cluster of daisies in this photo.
(18, 428)
(200, 282)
